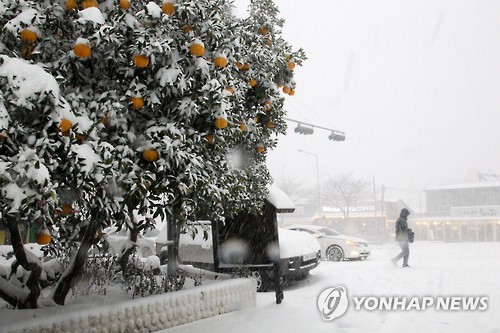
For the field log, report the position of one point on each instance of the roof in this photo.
(459, 186)
(452, 218)
(280, 200)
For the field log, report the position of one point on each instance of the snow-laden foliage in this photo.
(113, 113)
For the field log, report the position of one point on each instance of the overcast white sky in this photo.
(414, 84)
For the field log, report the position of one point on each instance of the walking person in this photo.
(402, 237)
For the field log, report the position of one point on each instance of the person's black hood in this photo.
(404, 213)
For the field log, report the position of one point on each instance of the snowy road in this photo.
(438, 269)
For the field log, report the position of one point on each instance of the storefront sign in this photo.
(351, 209)
(477, 211)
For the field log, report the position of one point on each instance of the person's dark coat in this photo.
(402, 226)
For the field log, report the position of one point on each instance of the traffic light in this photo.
(304, 130)
(308, 129)
(336, 136)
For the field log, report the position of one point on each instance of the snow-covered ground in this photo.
(438, 269)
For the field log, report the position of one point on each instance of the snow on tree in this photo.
(345, 191)
(111, 110)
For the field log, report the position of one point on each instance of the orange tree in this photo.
(114, 113)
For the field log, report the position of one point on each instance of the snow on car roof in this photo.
(280, 200)
(306, 226)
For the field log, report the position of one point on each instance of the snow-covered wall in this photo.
(152, 313)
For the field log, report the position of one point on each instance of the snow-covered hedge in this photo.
(151, 313)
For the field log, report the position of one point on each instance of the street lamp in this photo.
(317, 172)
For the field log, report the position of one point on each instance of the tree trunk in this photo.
(33, 282)
(173, 249)
(13, 295)
(75, 269)
(123, 260)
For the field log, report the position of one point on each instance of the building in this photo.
(460, 212)
(374, 222)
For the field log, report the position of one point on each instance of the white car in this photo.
(334, 245)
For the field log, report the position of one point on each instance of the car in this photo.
(299, 253)
(334, 245)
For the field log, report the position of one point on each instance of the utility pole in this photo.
(318, 200)
(382, 200)
(375, 208)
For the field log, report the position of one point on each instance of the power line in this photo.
(298, 110)
(295, 99)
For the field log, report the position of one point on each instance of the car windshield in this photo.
(329, 232)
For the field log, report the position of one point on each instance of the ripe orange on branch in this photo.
(82, 49)
(137, 102)
(151, 155)
(268, 106)
(220, 123)
(43, 237)
(66, 209)
(105, 120)
(141, 61)
(124, 4)
(65, 125)
(220, 60)
(70, 4)
(28, 35)
(168, 8)
(263, 31)
(90, 3)
(197, 48)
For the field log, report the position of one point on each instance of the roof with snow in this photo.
(280, 200)
(459, 186)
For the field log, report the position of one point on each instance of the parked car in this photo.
(334, 245)
(299, 253)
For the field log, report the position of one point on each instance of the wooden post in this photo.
(215, 245)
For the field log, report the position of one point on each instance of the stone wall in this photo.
(152, 313)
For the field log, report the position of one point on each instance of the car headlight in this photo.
(350, 242)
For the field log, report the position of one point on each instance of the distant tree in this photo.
(344, 192)
(293, 187)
